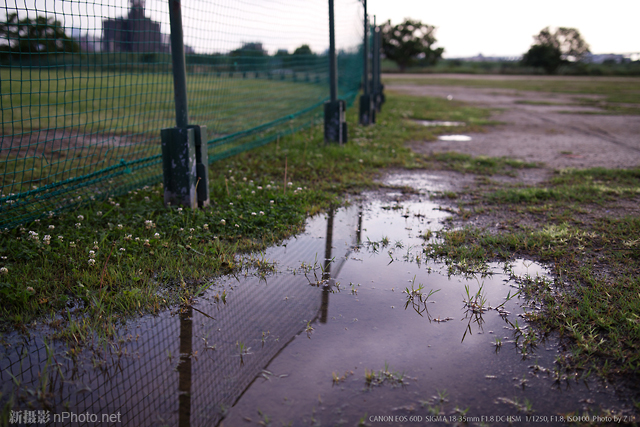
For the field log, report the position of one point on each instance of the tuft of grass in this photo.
(373, 378)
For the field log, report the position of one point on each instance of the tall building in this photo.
(135, 33)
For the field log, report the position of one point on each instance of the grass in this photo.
(137, 103)
(578, 224)
(613, 89)
(147, 257)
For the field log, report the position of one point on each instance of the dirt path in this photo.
(538, 127)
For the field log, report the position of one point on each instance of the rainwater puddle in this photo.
(454, 138)
(332, 338)
(439, 123)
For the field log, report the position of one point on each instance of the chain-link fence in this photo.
(188, 367)
(86, 87)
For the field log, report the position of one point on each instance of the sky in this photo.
(506, 27)
(465, 28)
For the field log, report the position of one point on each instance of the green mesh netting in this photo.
(87, 87)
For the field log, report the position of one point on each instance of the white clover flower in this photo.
(268, 186)
(120, 226)
(61, 238)
(231, 204)
(112, 203)
(147, 199)
(4, 270)
(72, 244)
(253, 214)
(99, 213)
(271, 202)
(31, 290)
(137, 239)
(205, 226)
(128, 237)
(223, 222)
(51, 227)
(78, 225)
(290, 184)
(50, 214)
(46, 239)
(149, 224)
(259, 187)
(91, 261)
(261, 213)
(123, 249)
(179, 209)
(253, 192)
(244, 179)
(191, 230)
(80, 217)
(117, 205)
(299, 189)
(237, 226)
(157, 235)
(96, 248)
(92, 254)
(360, 160)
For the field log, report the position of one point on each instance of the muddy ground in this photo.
(550, 128)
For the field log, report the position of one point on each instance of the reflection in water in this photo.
(186, 368)
(216, 362)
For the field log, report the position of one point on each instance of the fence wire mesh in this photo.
(183, 368)
(87, 86)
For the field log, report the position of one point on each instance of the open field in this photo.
(126, 256)
(64, 131)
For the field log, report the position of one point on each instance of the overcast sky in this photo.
(464, 27)
(505, 27)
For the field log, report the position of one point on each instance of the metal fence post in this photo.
(335, 124)
(376, 92)
(365, 99)
(380, 87)
(184, 147)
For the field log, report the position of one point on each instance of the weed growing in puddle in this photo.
(373, 378)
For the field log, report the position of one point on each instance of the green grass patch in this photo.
(613, 89)
(480, 165)
(574, 224)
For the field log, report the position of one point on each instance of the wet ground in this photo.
(550, 128)
(356, 326)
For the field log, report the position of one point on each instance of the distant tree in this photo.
(543, 56)
(554, 48)
(249, 49)
(39, 35)
(410, 42)
(303, 50)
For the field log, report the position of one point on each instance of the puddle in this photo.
(299, 346)
(455, 138)
(439, 123)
